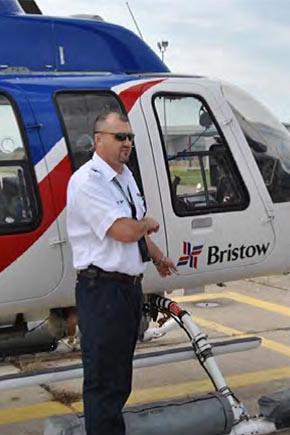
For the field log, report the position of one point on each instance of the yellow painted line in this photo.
(200, 297)
(164, 392)
(167, 392)
(269, 344)
(238, 297)
(268, 306)
(31, 412)
(146, 395)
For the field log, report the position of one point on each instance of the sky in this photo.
(246, 42)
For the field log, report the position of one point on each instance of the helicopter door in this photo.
(214, 216)
(28, 231)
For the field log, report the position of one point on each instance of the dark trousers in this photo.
(109, 315)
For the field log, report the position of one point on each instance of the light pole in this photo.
(162, 45)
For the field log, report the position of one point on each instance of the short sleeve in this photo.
(107, 221)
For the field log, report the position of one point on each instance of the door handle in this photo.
(56, 242)
(201, 223)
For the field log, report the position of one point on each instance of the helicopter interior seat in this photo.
(84, 149)
(274, 175)
(280, 186)
(220, 175)
(4, 210)
(11, 199)
(224, 192)
(178, 201)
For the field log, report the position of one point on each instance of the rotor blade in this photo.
(30, 7)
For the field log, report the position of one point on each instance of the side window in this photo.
(268, 139)
(202, 174)
(79, 111)
(18, 210)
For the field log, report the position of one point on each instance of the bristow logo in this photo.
(190, 255)
(217, 255)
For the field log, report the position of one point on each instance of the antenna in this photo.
(135, 22)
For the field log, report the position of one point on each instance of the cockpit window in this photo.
(268, 139)
(18, 205)
(78, 110)
(202, 174)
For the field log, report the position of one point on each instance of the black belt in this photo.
(96, 272)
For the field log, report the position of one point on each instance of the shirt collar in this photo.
(108, 172)
(102, 166)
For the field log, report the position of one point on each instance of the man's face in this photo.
(111, 149)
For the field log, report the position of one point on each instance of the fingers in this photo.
(173, 267)
(170, 264)
(152, 225)
(153, 229)
(166, 267)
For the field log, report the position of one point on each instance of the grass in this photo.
(189, 177)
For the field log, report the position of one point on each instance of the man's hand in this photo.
(152, 225)
(165, 267)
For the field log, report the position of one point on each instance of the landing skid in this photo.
(218, 413)
(243, 424)
(221, 347)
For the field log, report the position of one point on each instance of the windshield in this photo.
(268, 139)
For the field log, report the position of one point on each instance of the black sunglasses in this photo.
(120, 137)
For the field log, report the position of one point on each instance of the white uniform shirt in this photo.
(94, 202)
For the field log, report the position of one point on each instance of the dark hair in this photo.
(103, 116)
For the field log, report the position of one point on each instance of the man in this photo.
(107, 231)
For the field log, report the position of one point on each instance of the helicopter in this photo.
(211, 162)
